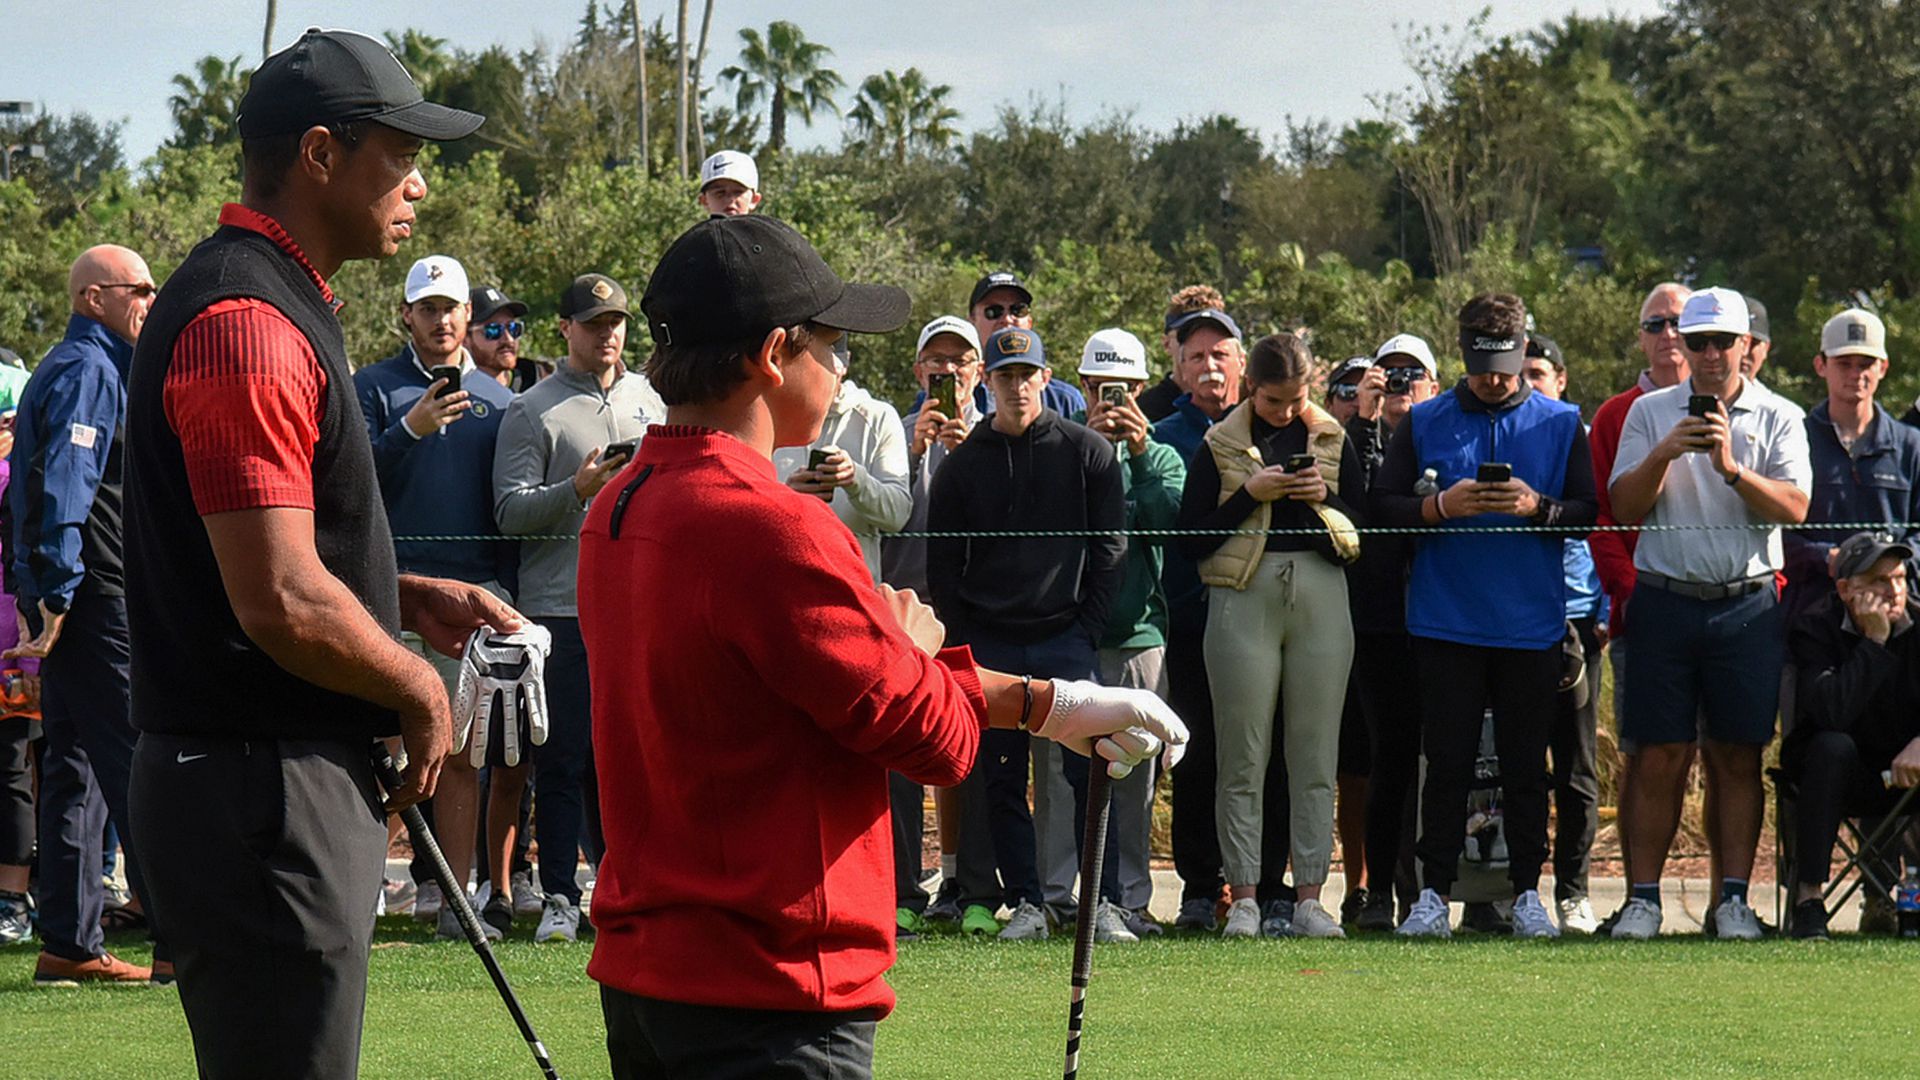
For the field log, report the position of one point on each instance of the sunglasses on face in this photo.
(1701, 342)
(140, 289)
(1659, 325)
(493, 330)
(994, 311)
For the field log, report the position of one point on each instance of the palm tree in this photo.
(783, 68)
(699, 63)
(425, 57)
(903, 112)
(206, 100)
(266, 35)
(680, 119)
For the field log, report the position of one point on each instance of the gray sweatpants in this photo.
(1132, 798)
(1288, 632)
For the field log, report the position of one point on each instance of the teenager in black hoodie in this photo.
(1040, 603)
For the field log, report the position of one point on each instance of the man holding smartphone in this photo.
(434, 417)
(559, 446)
(1715, 449)
(1487, 611)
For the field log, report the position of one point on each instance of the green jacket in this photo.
(1153, 483)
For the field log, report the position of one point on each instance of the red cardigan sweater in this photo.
(750, 693)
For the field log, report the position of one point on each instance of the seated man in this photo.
(1857, 711)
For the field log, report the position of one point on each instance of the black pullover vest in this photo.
(195, 671)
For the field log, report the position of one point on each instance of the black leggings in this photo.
(16, 792)
(1390, 696)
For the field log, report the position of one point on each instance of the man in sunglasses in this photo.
(1715, 450)
(433, 440)
(493, 335)
(67, 551)
(1000, 300)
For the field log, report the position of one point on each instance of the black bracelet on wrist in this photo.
(1026, 701)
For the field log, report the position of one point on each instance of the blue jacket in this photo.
(442, 484)
(1878, 481)
(65, 498)
(1183, 429)
(1499, 590)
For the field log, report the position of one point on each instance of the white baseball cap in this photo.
(1854, 332)
(1408, 345)
(437, 275)
(1114, 353)
(1716, 310)
(730, 165)
(948, 324)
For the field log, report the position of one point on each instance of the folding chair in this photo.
(1866, 852)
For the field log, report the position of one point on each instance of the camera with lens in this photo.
(1399, 380)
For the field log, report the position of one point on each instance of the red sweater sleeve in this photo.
(1612, 551)
(243, 394)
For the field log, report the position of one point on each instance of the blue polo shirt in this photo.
(440, 485)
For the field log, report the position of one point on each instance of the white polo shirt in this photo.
(1769, 439)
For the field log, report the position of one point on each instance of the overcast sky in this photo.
(1260, 62)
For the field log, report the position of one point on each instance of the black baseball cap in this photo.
(489, 301)
(1757, 319)
(1504, 354)
(729, 278)
(593, 295)
(339, 76)
(999, 279)
(1541, 345)
(1858, 553)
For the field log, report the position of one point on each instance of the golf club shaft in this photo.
(454, 892)
(1093, 852)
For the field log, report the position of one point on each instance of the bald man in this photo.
(67, 570)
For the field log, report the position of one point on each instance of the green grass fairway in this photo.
(1161, 1009)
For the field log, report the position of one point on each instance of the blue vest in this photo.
(1502, 590)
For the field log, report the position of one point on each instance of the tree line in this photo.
(1758, 143)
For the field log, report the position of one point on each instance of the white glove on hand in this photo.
(502, 665)
(1124, 725)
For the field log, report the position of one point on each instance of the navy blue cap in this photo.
(1193, 320)
(999, 279)
(1013, 345)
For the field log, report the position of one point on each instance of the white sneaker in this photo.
(1029, 923)
(1576, 916)
(1530, 918)
(1243, 918)
(1110, 924)
(1312, 920)
(1639, 921)
(526, 898)
(427, 902)
(1733, 920)
(1430, 917)
(559, 920)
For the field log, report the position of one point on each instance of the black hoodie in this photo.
(1059, 475)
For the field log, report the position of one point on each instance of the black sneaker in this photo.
(498, 913)
(946, 903)
(1350, 906)
(1276, 918)
(1376, 914)
(1197, 913)
(1810, 920)
(1141, 923)
(1484, 918)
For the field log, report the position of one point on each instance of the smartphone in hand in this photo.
(449, 372)
(1702, 405)
(816, 460)
(943, 394)
(1494, 472)
(1299, 463)
(622, 449)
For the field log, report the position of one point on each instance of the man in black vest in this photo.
(262, 592)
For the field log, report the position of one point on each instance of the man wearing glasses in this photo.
(433, 440)
(67, 552)
(1716, 449)
(1000, 300)
(493, 334)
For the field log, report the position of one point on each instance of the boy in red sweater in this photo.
(751, 688)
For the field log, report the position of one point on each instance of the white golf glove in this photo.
(1124, 725)
(511, 667)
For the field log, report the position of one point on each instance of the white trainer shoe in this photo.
(427, 902)
(1530, 918)
(1243, 918)
(527, 900)
(1576, 916)
(1639, 921)
(1110, 925)
(1312, 920)
(1733, 920)
(1430, 917)
(559, 920)
(1029, 923)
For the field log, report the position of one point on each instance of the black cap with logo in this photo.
(339, 76)
(489, 301)
(999, 279)
(730, 278)
(593, 295)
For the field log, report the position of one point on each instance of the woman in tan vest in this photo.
(1277, 620)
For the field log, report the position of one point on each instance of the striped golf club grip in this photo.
(1093, 851)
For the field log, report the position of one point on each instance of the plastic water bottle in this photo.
(13, 689)
(1906, 902)
(1428, 484)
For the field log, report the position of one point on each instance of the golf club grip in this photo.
(1093, 852)
(454, 892)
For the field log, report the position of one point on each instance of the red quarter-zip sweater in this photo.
(750, 692)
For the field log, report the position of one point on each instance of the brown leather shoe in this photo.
(106, 968)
